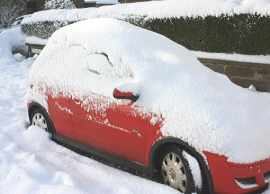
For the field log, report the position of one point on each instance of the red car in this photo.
(132, 96)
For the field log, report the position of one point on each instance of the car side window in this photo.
(103, 75)
(100, 65)
(78, 72)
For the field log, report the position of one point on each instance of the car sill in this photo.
(108, 156)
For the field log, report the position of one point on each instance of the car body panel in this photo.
(153, 135)
(117, 129)
(225, 174)
(61, 116)
(128, 129)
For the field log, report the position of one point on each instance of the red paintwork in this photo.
(118, 93)
(117, 129)
(153, 134)
(58, 109)
(87, 130)
(224, 172)
(129, 143)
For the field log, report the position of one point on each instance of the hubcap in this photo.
(174, 172)
(40, 121)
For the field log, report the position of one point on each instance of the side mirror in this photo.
(125, 95)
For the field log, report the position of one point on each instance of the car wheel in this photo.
(174, 170)
(41, 119)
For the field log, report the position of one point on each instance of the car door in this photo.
(128, 126)
(106, 123)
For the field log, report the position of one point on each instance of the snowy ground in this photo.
(31, 163)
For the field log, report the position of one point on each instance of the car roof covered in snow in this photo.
(199, 106)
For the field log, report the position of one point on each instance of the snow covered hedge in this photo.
(43, 29)
(59, 4)
(238, 33)
(226, 26)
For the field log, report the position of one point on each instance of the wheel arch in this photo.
(159, 145)
(33, 106)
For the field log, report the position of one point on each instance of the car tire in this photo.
(40, 118)
(174, 170)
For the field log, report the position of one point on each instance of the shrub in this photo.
(238, 33)
(59, 4)
(43, 29)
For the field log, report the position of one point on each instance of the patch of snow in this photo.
(158, 9)
(2, 29)
(36, 94)
(63, 108)
(199, 106)
(102, 1)
(195, 169)
(234, 57)
(35, 40)
(19, 57)
(252, 88)
(129, 87)
(154, 120)
(10, 40)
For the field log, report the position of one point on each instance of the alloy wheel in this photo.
(174, 172)
(39, 120)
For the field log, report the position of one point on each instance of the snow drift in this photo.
(10, 40)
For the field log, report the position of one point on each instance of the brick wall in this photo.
(242, 73)
(79, 3)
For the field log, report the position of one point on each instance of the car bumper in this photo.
(237, 178)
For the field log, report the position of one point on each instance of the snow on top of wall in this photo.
(265, 59)
(35, 40)
(159, 9)
(199, 106)
(102, 1)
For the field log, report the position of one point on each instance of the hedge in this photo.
(238, 33)
(43, 29)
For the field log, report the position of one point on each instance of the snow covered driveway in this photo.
(31, 163)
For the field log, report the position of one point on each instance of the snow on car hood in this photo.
(199, 106)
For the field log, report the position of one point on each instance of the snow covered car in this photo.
(133, 96)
